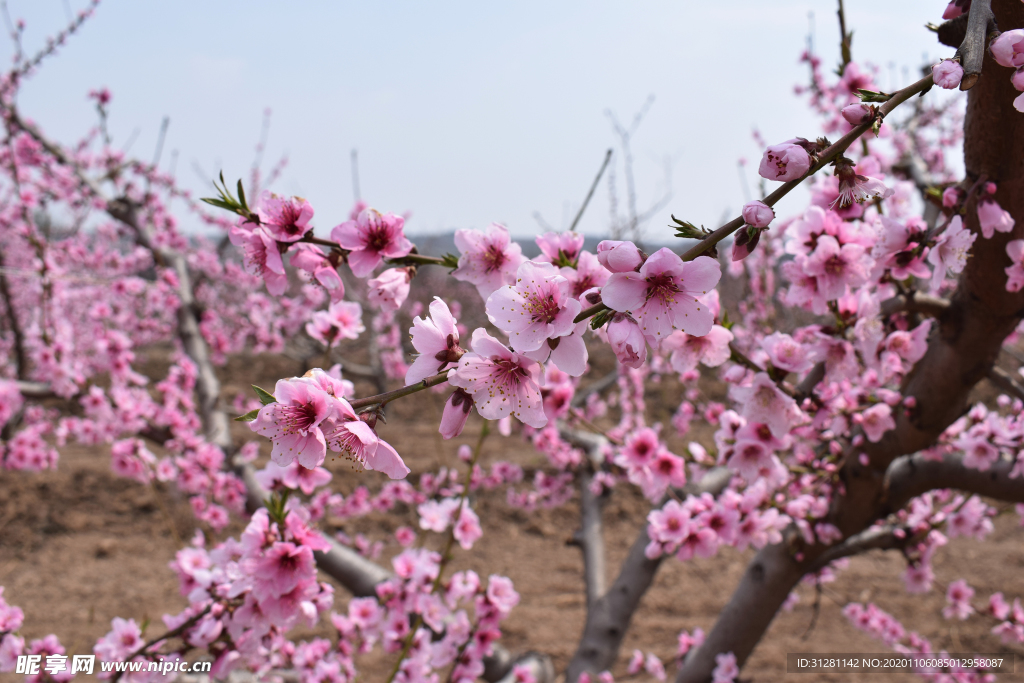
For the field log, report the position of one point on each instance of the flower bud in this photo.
(856, 114)
(745, 243)
(757, 214)
(947, 74)
(627, 341)
(456, 412)
(619, 257)
(1008, 48)
(950, 197)
(786, 161)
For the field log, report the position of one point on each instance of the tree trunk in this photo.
(960, 353)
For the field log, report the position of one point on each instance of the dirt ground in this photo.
(80, 546)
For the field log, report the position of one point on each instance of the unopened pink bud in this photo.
(1008, 48)
(784, 162)
(947, 74)
(1017, 79)
(950, 197)
(757, 214)
(990, 188)
(456, 412)
(856, 114)
(619, 257)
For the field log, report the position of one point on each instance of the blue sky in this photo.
(462, 112)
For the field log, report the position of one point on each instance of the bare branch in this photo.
(806, 386)
(586, 200)
(1004, 381)
(951, 33)
(912, 475)
(875, 538)
(580, 399)
(537, 664)
(915, 302)
(972, 51)
(590, 538)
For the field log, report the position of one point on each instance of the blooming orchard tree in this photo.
(846, 432)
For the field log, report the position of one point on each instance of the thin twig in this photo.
(825, 158)
(586, 200)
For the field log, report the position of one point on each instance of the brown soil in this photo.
(80, 546)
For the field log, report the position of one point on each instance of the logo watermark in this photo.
(32, 665)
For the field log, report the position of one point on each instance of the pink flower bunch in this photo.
(560, 248)
(650, 465)
(310, 415)
(341, 320)
(875, 622)
(465, 642)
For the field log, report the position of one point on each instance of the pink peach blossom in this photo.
(371, 238)
(286, 219)
(619, 257)
(559, 247)
(876, 421)
(627, 340)
(1008, 48)
(538, 307)
(1015, 272)
(488, 259)
(662, 296)
(436, 340)
(950, 251)
(687, 350)
(341, 320)
(587, 274)
(837, 267)
(292, 423)
(763, 402)
(345, 433)
(993, 218)
(262, 257)
(757, 214)
(390, 289)
(501, 382)
(456, 412)
(856, 114)
(785, 161)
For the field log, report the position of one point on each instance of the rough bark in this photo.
(960, 353)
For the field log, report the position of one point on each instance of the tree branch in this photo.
(961, 351)
(590, 538)
(1004, 381)
(825, 158)
(972, 51)
(912, 475)
(609, 617)
(915, 302)
(875, 538)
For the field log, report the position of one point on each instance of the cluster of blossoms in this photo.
(811, 362)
